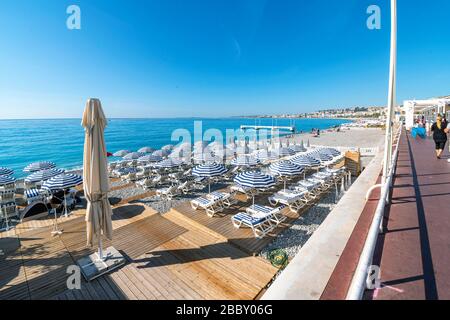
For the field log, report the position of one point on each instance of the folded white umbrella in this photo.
(95, 175)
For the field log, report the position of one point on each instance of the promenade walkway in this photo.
(414, 251)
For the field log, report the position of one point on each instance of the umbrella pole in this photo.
(100, 249)
(65, 204)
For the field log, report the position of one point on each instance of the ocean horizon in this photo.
(24, 141)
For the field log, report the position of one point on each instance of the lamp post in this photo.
(391, 94)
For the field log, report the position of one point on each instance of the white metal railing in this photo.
(360, 278)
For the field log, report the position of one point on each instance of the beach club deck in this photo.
(414, 251)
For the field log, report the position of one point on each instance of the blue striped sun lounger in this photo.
(211, 206)
(260, 224)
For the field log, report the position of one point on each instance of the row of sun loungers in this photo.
(214, 202)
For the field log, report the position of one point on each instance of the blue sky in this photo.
(168, 58)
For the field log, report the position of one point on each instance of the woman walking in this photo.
(439, 129)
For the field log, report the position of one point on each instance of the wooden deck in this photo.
(167, 258)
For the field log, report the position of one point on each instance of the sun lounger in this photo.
(275, 214)
(186, 187)
(296, 200)
(167, 193)
(228, 199)
(211, 206)
(7, 196)
(260, 223)
(8, 211)
(35, 195)
(248, 192)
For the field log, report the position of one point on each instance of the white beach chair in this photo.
(211, 206)
(7, 196)
(295, 200)
(167, 193)
(259, 223)
(228, 199)
(186, 187)
(275, 214)
(8, 211)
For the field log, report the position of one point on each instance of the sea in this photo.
(61, 140)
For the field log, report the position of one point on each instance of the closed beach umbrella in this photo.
(38, 166)
(133, 156)
(245, 161)
(63, 182)
(6, 171)
(209, 171)
(121, 153)
(286, 169)
(43, 175)
(6, 180)
(95, 175)
(146, 150)
(255, 180)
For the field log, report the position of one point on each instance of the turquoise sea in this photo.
(61, 141)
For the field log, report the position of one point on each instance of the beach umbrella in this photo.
(161, 153)
(308, 145)
(322, 157)
(133, 155)
(149, 158)
(331, 151)
(95, 176)
(168, 147)
(245, 161)
(255, 180)
(146, 150)
(209, 171)
(43, 175)
(297, 148)
(6, 171)
(283, 152)
(286, 169)
(6, 180)
(63, 182)
(207, 157)
(305, 161)
(121, 153)
(265, 155)
(38, 166)
(168, 163)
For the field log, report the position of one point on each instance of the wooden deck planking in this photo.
(168, 259)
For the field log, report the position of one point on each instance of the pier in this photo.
(272, 128)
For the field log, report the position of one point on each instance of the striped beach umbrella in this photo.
(298, 148)
(245, 161)
(331, 151)
(168, 147)
(6, 171)
(38, 166)
(168, 163)
(6, 180)
(161, 153)
(133, 155)
(265, 155)
(146, 150)
(286, 169)
(149, 158)
(305, 161)
(322, 157)
(255, 180)
(284, 152)
(209, 171)
(62, 182)
(43, 175)
(121, 153)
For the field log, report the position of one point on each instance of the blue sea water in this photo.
(61, 141)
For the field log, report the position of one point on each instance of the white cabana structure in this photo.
(428, 108)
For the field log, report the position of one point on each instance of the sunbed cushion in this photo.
(248, 219)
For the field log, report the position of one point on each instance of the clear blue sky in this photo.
(166, 58)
